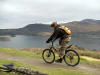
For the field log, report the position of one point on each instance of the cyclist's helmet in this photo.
(53, 24)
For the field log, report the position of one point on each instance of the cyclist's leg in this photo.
(64, 44)
(62, 49)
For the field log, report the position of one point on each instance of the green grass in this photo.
(93, 63)
(94, 54)
(86, 52)
(20, 53)
(50, 71)
(37, 55)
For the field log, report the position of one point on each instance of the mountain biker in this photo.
(63, 33)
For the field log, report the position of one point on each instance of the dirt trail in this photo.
(39, 62)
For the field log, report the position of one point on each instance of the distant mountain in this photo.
(92, 21)
(83, 26)
(30, 29)
(86, 25)
(38, 27)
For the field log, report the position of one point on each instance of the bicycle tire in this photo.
(66, 55)
(51, 53)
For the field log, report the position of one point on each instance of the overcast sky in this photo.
(18, 13)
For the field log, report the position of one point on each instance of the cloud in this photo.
(18, 13)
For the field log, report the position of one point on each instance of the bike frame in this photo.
(52, 47)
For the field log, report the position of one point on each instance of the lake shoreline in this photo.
(33, 41)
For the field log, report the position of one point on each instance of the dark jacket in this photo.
(58, 33)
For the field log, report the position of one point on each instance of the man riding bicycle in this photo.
(63, 33)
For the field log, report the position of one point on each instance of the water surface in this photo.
(26, 41)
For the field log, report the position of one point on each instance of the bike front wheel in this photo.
(71, 58)
(48, 56)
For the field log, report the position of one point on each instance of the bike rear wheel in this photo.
(48, 56)
(71, 58)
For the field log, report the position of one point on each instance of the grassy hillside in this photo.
(37, 54)
(50, 71)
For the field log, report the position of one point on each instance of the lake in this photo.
(28, 41)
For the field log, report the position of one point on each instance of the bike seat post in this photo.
(52, 43)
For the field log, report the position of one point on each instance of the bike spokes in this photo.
(48, 56)
(72, 58)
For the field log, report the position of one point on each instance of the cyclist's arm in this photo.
(52, 37)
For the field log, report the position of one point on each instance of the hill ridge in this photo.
(83, 26)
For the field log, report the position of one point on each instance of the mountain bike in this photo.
(71, 57)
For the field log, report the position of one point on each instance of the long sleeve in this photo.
(53, 36)
(56, 34)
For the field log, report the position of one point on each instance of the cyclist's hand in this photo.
(47, 41)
